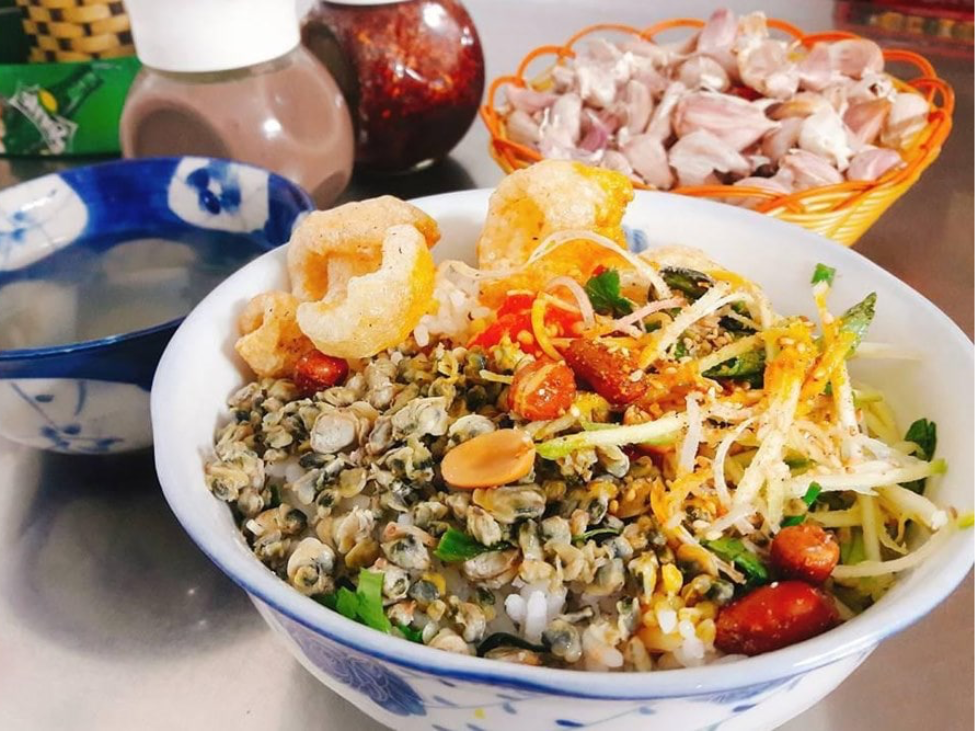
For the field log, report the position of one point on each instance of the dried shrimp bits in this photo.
(330, 247)
(271, 341)
(378, 310)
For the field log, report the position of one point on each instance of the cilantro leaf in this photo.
(924, 434)
(823, 273)
(364, 605)
(347, 604)
(603, 291)
(456, 546)
(411, 633)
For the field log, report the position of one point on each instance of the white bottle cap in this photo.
(212, 35)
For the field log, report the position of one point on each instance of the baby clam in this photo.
(491, 459)
(362, 554)
(333, 430)
(482, 527)
(609, 578)
(511, 504)
(407, 552)
(421, 417)
(471, 618)
(693, 559)
(353, 528)
(396, 582)
(469, 426)
(563, 639)
(447, 639)
(310, 567)
(492, 568)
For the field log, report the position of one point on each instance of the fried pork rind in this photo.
(377, 310)
(271, 341)
(550, 196)
(330, 247)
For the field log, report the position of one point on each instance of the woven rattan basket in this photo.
(76, 30)
(842, 212)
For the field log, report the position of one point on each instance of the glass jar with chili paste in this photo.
(412, 72)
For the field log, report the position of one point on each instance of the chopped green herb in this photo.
(596, 533)
(924, 434)
(503, 639)
(346, 604)
(809, 498)
(326, 600)
(364, 605)
(680, 350)
(275, 500)
(603, 290)
(456, 546)
(689, 281)
(410, 633)
(823, 273)
(369, 595)
(732, 549)
(812, 494)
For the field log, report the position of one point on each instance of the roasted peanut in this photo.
(773, 617)
(806, 552)
(489, 460)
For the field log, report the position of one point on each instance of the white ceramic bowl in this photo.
(407, 686)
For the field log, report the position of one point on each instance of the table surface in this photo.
(110, 618)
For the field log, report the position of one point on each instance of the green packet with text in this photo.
(56, 109)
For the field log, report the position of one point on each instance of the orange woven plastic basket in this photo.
(842, 212)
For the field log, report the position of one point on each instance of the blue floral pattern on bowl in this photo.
(92, 209)
(406, 698)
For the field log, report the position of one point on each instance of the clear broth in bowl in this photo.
(101, 288)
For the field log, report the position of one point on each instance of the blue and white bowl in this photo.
(410, 687)
(157, 232)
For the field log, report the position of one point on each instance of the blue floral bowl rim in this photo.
(769, 670)
(132, 163)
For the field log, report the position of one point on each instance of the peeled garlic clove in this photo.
(648, 158)
(856, 57)
(908, 116)
(824, 134)
(489, 460)
(865, 120)
(873, 163)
